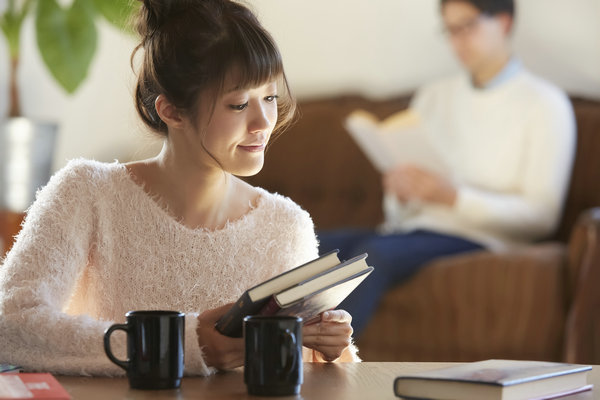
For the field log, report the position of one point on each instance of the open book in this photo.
(399, 139)
(305, 291)
(495, 379)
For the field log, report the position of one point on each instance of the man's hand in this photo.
(409, 182)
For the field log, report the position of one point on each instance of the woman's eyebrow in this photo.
(234, 89)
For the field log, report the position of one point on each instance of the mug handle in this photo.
(290, 339)
(107, 349)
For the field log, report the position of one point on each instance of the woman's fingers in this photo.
(331, 353)
(340, 316)
(224, 353)
(219, 351)
(326, 329)
(331, 335)
(214, 314)
(326, 341)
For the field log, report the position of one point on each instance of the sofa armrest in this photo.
(582, 344)
(475, 306)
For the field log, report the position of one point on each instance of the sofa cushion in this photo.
(475, 306)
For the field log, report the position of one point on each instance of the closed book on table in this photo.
(495, 379)
(10, 368)
(31, 386)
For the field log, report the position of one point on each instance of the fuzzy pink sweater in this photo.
(94, 245)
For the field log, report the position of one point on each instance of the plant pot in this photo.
(26, 153)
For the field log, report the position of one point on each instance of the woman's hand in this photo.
(330, 336)
(409, 182)
(220, 351)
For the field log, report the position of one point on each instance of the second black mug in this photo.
(273, 355)
(155, 348)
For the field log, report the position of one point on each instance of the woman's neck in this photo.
(197, 195)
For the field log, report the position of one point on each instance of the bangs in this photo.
(191, 48)
(254, 55)
(245, 55)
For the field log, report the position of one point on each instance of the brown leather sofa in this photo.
(541, 302)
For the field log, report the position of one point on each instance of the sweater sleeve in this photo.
(37, 279)
(194, 357)
(533, 209)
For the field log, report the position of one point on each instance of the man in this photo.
(508, 140)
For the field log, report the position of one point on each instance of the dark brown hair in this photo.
(191, 45)
(490, 7)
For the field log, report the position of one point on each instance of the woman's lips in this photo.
(253, 148)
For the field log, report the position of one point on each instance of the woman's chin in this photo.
(248, 170)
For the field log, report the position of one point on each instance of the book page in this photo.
(397, 140)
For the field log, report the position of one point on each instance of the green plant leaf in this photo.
(10, 24)
(67, 40)
(118, 12)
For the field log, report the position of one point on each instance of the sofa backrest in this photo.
(584, 190)
(318, 165)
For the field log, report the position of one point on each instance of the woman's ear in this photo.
(168, 113)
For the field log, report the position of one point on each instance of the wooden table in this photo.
(360, 381)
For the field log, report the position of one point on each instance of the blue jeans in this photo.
(395, 258)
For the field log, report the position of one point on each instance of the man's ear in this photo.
(168, 113)
(507, 22)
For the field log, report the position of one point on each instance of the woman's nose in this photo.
(262, 119)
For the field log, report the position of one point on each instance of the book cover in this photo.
(323, 280)
(309, 306)
(255, 298)
(495, 379)
(6, 368)
(31, 386)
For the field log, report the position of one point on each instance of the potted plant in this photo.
(66, 38)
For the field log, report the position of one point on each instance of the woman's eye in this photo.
(271, 99)
(238, 107)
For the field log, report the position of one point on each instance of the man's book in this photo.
(31, 386)
(399, 139)
(304, 291)
(495, 379)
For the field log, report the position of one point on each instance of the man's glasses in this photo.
(463, 29)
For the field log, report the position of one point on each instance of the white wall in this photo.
(377, 47)
(386, 47)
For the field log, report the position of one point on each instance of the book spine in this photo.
(230, 324)
(5, 368)
(270, 308)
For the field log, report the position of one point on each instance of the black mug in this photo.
(273, 355)
(155, 348)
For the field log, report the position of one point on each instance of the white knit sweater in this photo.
(94, 245)
(509, 148)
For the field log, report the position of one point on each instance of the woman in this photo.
(177, 231)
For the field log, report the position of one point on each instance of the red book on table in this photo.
(31, 386)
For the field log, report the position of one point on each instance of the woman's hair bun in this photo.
(190, 47)
(154, 14)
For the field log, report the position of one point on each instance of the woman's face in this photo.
(239, 128)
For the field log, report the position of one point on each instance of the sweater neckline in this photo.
(154, 203)
(494, 90)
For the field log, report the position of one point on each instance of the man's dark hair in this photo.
(490, 7)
